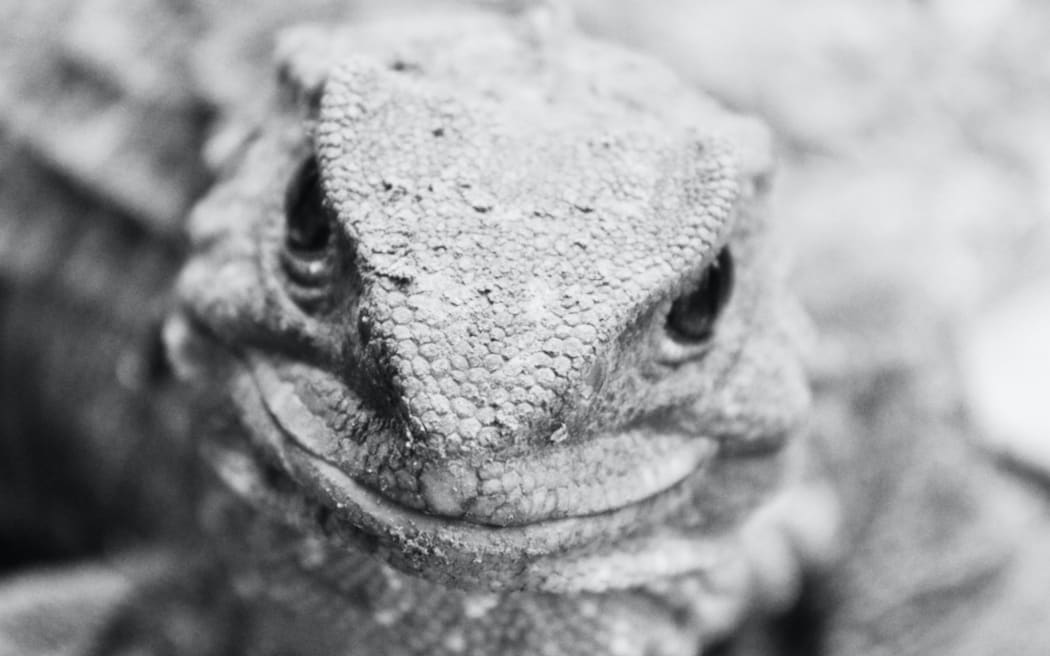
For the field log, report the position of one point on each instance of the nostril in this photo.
(595, 377)
(693, 314)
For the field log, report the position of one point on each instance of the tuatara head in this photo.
(499, 302)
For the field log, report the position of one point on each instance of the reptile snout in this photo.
(499, 393)
(510, 260)
(492, 368)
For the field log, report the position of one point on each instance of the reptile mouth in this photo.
(535, 544)
(570, 478)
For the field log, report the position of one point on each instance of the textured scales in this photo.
(476, 381)
(435, 405)
(608, 489)
(455, 206)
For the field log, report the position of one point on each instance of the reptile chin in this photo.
(521, 522)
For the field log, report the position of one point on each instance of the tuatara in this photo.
(486, 351)
(483, 339)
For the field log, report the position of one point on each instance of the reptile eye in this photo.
(309, 229)
(309, 256)
(308, 236)
(693, 315)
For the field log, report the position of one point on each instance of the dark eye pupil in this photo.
(308, 227)
(693, 315)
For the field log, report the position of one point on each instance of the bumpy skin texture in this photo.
(475, 381)
(464, 427)
(472, 373)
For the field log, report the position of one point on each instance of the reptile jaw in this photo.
(560, 556)
(621, 548)
(673, 531)
(570, 478)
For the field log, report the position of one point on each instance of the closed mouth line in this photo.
(457, 550)
(629, 467)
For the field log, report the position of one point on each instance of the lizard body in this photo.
(488, 303)
(475, 379)
(469, 263)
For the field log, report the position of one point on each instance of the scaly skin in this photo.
(477, 377)
(504, 205)
(458, 349)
